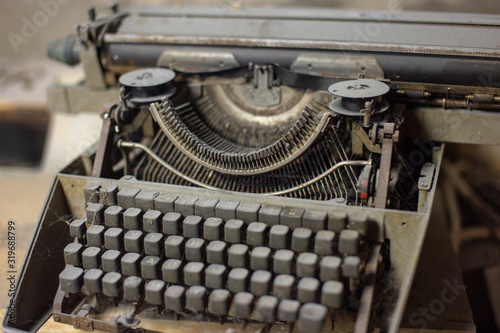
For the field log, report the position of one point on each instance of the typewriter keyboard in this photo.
(218, 259)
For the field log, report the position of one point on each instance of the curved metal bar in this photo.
(125, 144)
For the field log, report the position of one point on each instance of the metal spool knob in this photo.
(355, 94)
(147, 85)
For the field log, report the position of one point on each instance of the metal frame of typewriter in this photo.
(405, 230)
(435, 96)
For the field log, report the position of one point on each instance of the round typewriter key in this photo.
(73, 254)
(233, 230)
(107, 194)
(153, 244)
(91, 192)
(351, 267)
(131, 219)
(288, 310)
(150, 267)
(256, 234)
(77, 228)
(349, 242)
(191, 227)
(260, 282)
(314, 220)
(195, 249)
(329, 268)
(154, 292)
(91, 257)
(133, 241)
(216, 252)
(111, 261)
(92, 280)
(238, 280)
(193, 274)
(205, 207)
(301, 240)
(219, 302)
(332, 294)
(95, 236)
(133, 288)
(215, 276)
(312, 318)
(71, 279)
(196, 299)
(283, 286)
(126, 197)
(113, 239)
(278, 237)
(237, 256)
(260, 258)
(243, 305)
(174, 298)
(165, 203)
(95, 213)
(171, 271)
(151, 221)
(266, 309)
(174, 247)
(172, 223)
(307, 264)
(113, 216)
(323, 242)
(337, 220)
(307, 290)
(283, 262)
(112, 284)
(212, 229)
(131, 263)
(270, 214)
(359, 221)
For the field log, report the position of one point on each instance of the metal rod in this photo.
(125, 144)
(157, 158)
(302, 44)
(323, 175)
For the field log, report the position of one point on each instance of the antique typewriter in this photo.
(257, 170)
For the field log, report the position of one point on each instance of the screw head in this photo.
(56, 318)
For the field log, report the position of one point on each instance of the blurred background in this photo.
(35, 143)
